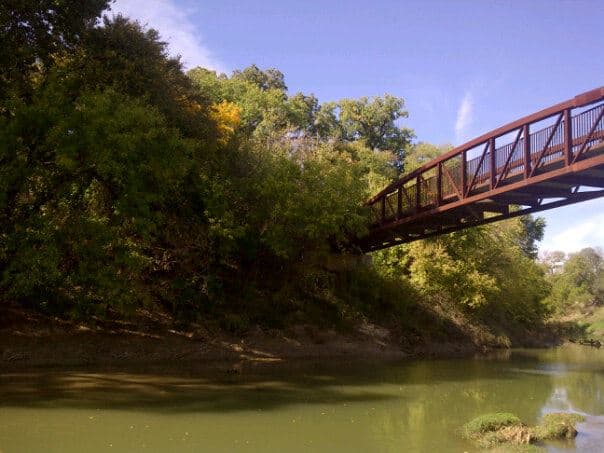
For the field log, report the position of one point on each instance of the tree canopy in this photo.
(126, 182)
(577, 280)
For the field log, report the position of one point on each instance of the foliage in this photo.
(271, 79)
(265, 110)
(227, 117)
(121, 54)
(483, 269)
(125, 182)
(422, 153)
(374, 120)
(531, 231)
(268, 112)
(325, 186)
(489, 422)
(89, 189)
(31, 31)
(577, 280)
(558, 425)
(92, 162)
(492, 430)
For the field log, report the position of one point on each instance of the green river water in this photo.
(411, 406)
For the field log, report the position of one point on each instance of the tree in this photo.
(532, 231)
(104, 172)
(326, 124)
(302, 111)
(32, 31)
(121, 54)
(482, 270)
(264, 110)
(374, 120)
(579, 283)
(422, 153)
(111, 151)
(126, 182)
(270, 79)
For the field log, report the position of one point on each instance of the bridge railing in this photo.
(480, 165)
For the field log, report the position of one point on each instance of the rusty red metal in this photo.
(483, 181)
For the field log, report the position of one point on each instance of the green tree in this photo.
(270, 79)
(80, 227)
(32, 31)
(375, 121)
(579, 283)
(264, 111)
(483, 270)
(421, 153)
(531, 231)
(302, 111)
(121, 54)
(326, 124)
(105, 169)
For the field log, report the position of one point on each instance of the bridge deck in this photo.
(552, 158)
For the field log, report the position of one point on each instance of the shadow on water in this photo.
(191, 388)
(495, 383)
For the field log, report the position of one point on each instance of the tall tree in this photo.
(122, 54)
(270, 79)
(375, 121)
(533, 229)
(422, 153)
(31, 31)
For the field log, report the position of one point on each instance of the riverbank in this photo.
(30, 339)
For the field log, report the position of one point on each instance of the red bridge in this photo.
(552, 158)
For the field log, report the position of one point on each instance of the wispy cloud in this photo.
(175, 27)
(464, 117)
(588, 233)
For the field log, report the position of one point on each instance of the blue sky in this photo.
(463, 67)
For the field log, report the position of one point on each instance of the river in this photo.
(411, 406)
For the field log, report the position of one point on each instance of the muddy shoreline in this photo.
(91, 349)
(31, 340)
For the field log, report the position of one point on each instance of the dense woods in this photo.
(127, 183)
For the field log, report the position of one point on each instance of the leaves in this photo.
(577, 280)
(483, 269)
(124, 181)
(227, 117)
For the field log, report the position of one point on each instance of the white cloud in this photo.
(464, 117)
(175, 27)
(588, 233)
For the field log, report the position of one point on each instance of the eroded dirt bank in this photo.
(28, 339)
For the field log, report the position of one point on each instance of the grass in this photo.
(594, 324)
(558, 425)
(505, 430)
(489, 423)
(597, 327)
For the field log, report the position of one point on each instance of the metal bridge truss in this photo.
(552, 158)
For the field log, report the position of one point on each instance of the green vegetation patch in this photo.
(490, 422)
(558, 425)
(505, 430)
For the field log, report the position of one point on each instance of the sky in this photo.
(463, 67)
